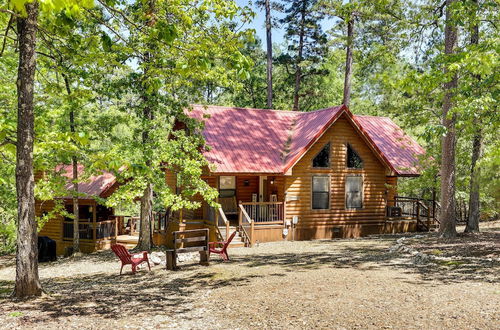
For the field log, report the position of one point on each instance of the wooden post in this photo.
(418, 212)
(94, 221)
(428, 218)
(227, 230)
(284, 209)
(252, 236)
(116, 228)
(240, 215)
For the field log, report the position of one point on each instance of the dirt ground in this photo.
(413, 281)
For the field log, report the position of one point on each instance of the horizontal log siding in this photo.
(392, 189)
(53, 227)
(318, 223)
(244, 193)
(277, 188)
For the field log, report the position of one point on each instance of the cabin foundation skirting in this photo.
(330, 231)
(352, 230)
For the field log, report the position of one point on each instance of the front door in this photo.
(262, 188)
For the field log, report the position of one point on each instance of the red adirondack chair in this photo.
(222, 251)
(128, 259)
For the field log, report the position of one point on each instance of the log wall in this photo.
(338, 221)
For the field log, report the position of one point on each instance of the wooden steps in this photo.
(237, 240)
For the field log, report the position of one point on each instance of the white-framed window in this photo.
(320, 199)
(354, 192)
(227, 186)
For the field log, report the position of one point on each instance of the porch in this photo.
(101, 234)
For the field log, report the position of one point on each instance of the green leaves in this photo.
(106, 41)
(167, 32)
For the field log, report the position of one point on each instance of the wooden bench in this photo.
(198, 241)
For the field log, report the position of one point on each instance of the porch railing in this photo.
(265, 212)
(103, 229)
(106, 229)
(85, 229)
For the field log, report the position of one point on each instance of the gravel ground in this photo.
(397, 281)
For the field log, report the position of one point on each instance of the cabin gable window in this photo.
(322, 159)
(320, 192)
(227, 186)
(354, 160)
(354, 192)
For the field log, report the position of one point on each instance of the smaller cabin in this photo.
(99, 227)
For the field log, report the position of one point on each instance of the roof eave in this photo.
(318, 135)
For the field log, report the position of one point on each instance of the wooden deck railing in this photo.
(103, 229)
(247, 226)
(106, 229)
(85, 229)
(265, 212)
(425, 211)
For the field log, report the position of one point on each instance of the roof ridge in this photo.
(372, 116)
(235, 108)
(225, 107)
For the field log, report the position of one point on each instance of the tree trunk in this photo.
(27, 281)
(474, 204)
(74, 161)
(475, 173)
(298, 71)
(144, 243)
(448, 214)
(348, 62)
(269, 44)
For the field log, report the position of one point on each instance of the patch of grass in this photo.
(450, 262)
(436, 252)
(15, 314)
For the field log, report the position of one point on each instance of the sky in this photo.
(258, 23)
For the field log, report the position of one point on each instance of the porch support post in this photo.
(240, 217)
(284, 208)
(94, 222)
(116, 228)
(252, 233)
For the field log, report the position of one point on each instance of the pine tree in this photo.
(307, 43)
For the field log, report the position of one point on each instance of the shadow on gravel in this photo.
(463, 259)
(108, 295)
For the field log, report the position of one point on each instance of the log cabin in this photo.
(285, 175)
(281, 175)
(99, 227)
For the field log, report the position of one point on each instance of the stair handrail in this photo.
(226, 223)
(249, 237)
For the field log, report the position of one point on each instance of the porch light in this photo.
(272, 181)
(246, 182)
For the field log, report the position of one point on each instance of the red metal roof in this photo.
(245, 140)
(401, 151)
(94, 186)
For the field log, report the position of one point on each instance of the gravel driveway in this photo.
(379, 282)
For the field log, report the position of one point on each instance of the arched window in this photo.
(322, 159)
(353, 159)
